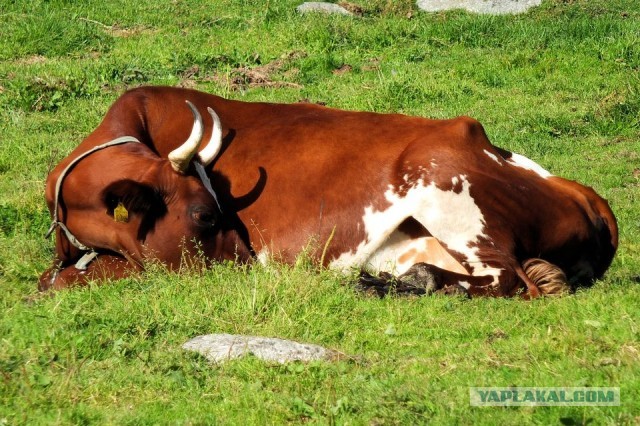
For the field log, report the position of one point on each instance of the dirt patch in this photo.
(343, 69)
(118, 30)
(31, 60)
(188, 77)
(353, 8)
(371, 65)
(308, 101)
(265, 75)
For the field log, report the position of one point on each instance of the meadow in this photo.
(560, 84)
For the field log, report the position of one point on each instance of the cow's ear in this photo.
(126, 197)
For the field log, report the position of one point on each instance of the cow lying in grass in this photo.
(173, 174)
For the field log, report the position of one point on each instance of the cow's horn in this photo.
(182, 155)
(208, 154)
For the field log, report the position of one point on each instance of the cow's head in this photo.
(582, 238)
(595, 239)
(126, 201)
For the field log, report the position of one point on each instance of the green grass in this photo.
(560, 85)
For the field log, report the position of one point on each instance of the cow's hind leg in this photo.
(425, 279)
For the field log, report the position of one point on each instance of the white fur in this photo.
(525, 163)
(493, 157)
(452, 218)
(465, 284)
(400, 252)
(263, 256)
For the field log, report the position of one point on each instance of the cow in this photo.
(427, 205)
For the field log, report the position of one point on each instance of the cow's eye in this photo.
(203, 216)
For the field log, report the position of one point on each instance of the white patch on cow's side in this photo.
(386, 258)
(454, 219)
(455, 180)
(493, 157)
(525, 163)
(465, 284)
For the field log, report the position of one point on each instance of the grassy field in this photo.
(560, 85)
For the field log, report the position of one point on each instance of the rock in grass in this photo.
(223, 347)
(320, 6)
(492, 7)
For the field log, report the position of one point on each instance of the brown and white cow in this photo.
(430, 199)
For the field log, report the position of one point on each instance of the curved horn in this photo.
(181, 156)
(209, 153)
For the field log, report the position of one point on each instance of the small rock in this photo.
(493, 7)
(319, 6)
(223, 347)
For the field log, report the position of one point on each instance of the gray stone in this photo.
(320, 6)
(493, 7)
(223, 347)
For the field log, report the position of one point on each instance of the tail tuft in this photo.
(549, 278)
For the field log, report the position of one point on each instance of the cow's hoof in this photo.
(375, 286)
(419, 279)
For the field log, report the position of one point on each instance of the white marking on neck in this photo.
(525, 163)
(493, 157)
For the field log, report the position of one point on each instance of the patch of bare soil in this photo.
(188, 77)
(353, 8)
(342, 70)
(372, 65)
(265, 75)
(31, 60)
(118, 30)
(308, 101)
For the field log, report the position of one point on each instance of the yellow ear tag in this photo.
(120, 214)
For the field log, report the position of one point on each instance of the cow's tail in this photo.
(549, 280)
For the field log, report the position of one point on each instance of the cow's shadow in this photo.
(231, 205)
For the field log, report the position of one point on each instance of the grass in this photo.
(560, 85)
